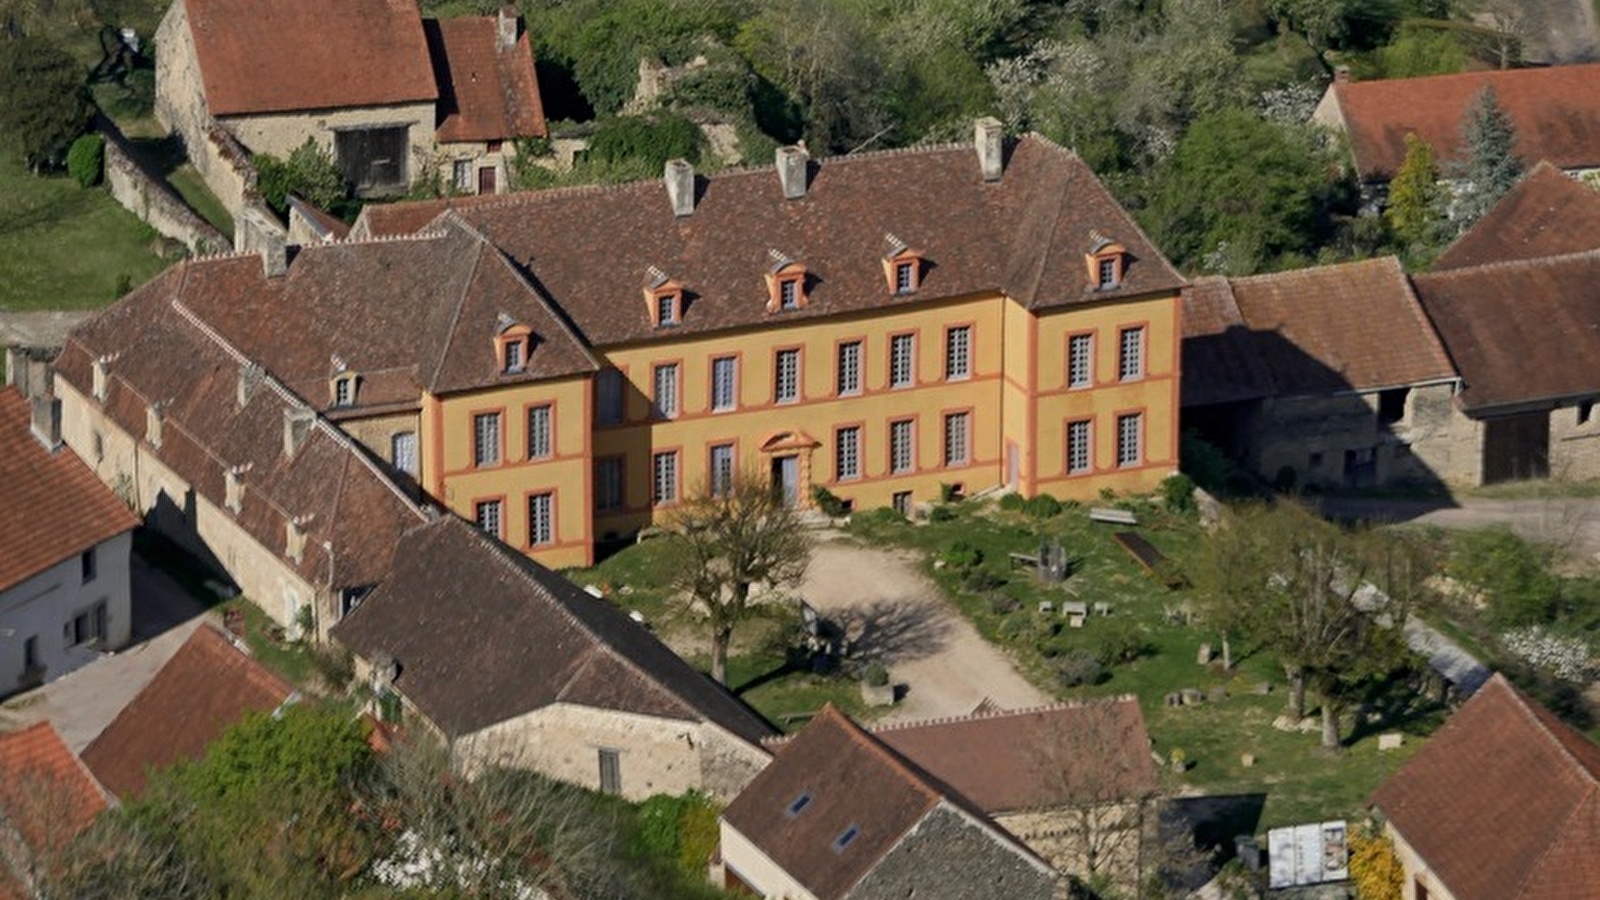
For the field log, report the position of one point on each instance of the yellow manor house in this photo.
(560, 366)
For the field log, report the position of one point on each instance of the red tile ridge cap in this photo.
(1511, 264)
(292, 400)
(893, 760)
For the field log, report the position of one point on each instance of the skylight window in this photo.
(846, 837)
(800, 803)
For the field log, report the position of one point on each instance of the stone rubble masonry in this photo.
(153, 201)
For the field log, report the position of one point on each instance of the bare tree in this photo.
(728, 539)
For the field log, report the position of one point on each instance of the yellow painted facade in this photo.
(1006, 404)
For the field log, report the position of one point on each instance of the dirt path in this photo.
(896, 615)
(1570, 523)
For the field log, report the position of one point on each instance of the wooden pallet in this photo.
(1150, 559)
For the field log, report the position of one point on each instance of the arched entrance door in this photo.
(788, 460)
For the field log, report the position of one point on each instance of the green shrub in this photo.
(1012, 502)
(942, 513)
(309, 173)
(86, 160)
(979, 579)
(1077, 667)
(679, 828)
(1513, 574)
(1002, 604)
(828, 502)
(653, 140)
(961, 555)
(874, 518)
(1205, 462)
(1177, 493)
(949, 493)
(1043, 506)
(1122, 641)
(875, 675)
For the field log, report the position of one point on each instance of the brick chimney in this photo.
(47, 421)
(505, 30)
(988, 136)
(679, 176)
(792, 164)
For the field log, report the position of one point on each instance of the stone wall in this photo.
(949, 854)
(1103, 839)
(279, 134)
(657, 756)
(1575, 443)
(154, 201)
(1417, 871)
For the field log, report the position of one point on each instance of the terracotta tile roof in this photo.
(46, 793)
(851, 779)
(1069, 754)
(262, 56)
(58, 507)
(589, 249)
(161, 353)
(482, 634)
(1546, 214)
(1556, 112)
(206, 687)
(1500, 321)
(485, 94)
(1350, 326)
(1220, 362)
(1503, 803)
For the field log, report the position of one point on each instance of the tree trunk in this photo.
(1297, 692)
(720, 639)
(1330, 725)
(1227, 653)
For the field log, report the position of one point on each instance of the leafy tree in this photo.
(86, 159)
(1375, 868)
(1417, 51)
(1414, 197)
(1329, 603)
(309, 173)
(650, 140)
(1489, 163)
(44, 100)
(1239, 194)
(1513, 575)
(726, 542)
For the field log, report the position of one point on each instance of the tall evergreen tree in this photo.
(44, 100)
(1489, 164)
(1414, 194)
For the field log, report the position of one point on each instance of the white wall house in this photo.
(64, 548)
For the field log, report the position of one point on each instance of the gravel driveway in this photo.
(896, 615)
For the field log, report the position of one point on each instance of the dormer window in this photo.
(663, 297)
(512, 347)
(344, 389)
(902, 266)
(786, 284)
(1106, 261)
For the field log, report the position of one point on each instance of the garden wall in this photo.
(154, 201)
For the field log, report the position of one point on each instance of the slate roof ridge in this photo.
(1075, 703)
(290, 399)
(598, 642)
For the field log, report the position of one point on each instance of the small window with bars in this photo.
(847, 453)
(1078, 446)
(403, 452)
(956, 432)
(901, 450)
(786, 376)
(901, 360)
(721, 469)
(1129, 428)
(1080, 360)
(539, 443)
(664, 477)
(849, 380)
(541, 520)
(958, 352)
(486, 439)
(1130, 361)
(666, 391)
(486, 513)
(724, 382)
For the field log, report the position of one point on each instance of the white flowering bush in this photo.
(1565, 657)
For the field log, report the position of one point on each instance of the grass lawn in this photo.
(189, 185)
(64, 247)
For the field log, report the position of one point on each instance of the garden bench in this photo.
(1112, 516)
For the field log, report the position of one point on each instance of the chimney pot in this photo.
(988, 135)
(792, 165)
(679, 176)
(297, 424)
(47, 421)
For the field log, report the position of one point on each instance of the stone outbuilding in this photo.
(840, 815)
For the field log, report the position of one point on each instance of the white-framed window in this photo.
(1130, 356)
(721, 469)
(487, 514)
(958, 352)
(665, 383)
(608, 397)
(1079, 446)
(902, 450)
(666, 309)
(1129, 437)
(956, 432)
(789, 293)
(1106, 272)
(905, 277)
(724, 382)
(902, 360)
(461, 170)
(539, 431)
(786, 376)
(403, 452)
(486, 439)
(847, 453)
(664, 476)
(344, 391)
(849, 375)
(541, 519)
(608, 483)
(1080, 360)
(513, 356)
